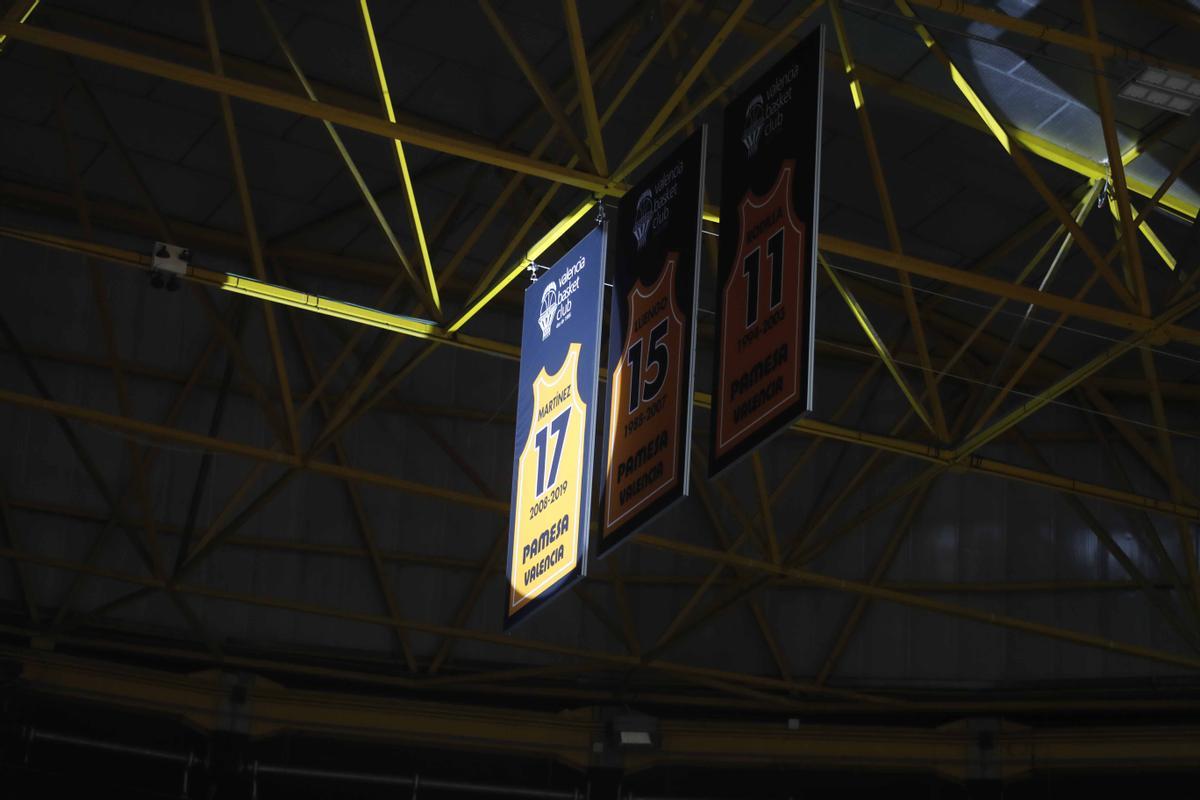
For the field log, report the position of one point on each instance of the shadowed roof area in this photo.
(197, 479)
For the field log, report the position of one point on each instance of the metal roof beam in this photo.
(893, 230)
(366, 530)
(1154, 327)
(428, 297)
(1091, 45)
(250, 229)
(430, 289)
(917, 96)
(1003, 135)
(933, 455)
(820, 581)
(583, 82)
(450, 144)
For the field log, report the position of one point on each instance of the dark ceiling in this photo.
(1051, 569)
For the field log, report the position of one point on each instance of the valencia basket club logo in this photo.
(549, 306)
(755, 118)
(641, 222)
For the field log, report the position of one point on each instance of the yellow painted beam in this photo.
(583, 78)
(864, 322)
(531, 256)
(1001, 133)
(543, 90)
(410, 194)
(646, 60)
(681, 122)
(889, 219)
(210, 443)
(1045, 33)
(685, 83)
(1151, 237)
(287, 101)
(250, 227)
(283, 295)
(19, 12)
(932, 454)
(828, 243)
(1116, 164)
(637, 156)
(821, 581)
(1039, 146)
(969, 280)
(429, 299)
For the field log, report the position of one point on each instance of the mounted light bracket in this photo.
(170, 258)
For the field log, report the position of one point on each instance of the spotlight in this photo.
(633, 731)
(634, 739)
(156, 279)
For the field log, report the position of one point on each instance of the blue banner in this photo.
(556, 424)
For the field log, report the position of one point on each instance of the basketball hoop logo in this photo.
(549, 306)
(754, 125)
(641, 222)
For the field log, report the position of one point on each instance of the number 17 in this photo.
(557, 426)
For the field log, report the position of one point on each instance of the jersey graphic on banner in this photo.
(645, 387)
(766, 263)
(549, 481)
(757, 335)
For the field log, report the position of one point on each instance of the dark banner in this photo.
(556, 423)
(766, 268)
(652, 342)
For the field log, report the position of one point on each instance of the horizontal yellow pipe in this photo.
(272, 293)
(350, 312)
(334, 308)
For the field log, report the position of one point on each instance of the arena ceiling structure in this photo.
(243, 528)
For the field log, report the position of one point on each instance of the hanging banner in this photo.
(766, 268)
(652, 342)
(556, 424)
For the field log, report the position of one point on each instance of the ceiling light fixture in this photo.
(630, 730)
(1163, 88)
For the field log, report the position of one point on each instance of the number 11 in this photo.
(750, 270)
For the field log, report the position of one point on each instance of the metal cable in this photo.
(1015, 314)
(988, 384)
